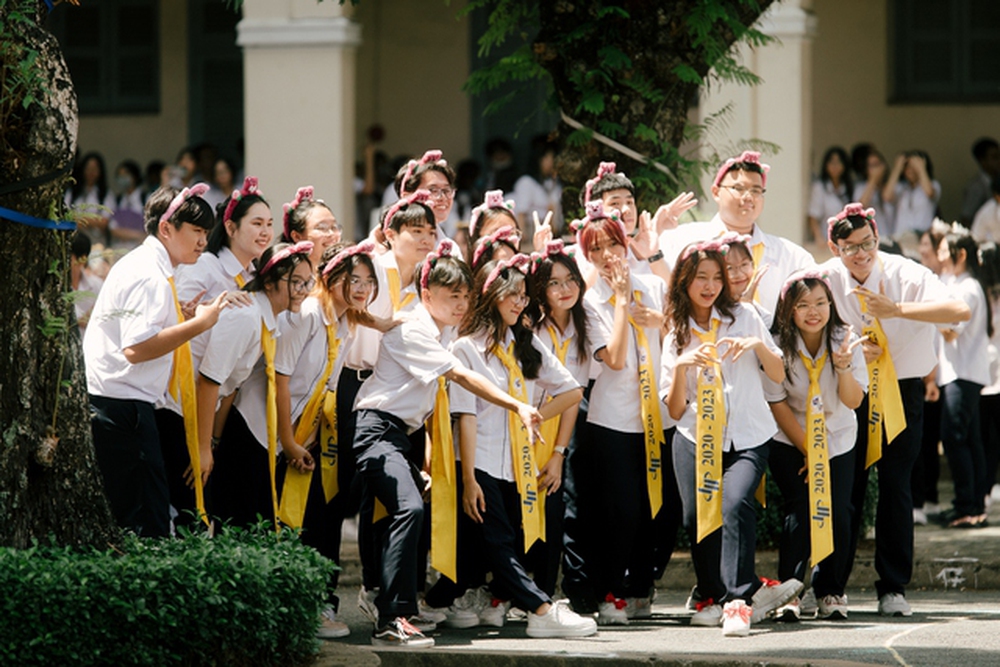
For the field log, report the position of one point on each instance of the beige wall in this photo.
(145, 137)
(850, 100)
(412, 62)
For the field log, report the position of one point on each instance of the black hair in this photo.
(489, 249)
(859, 158)
(844, 228)
(324, 284)
(484, 317)
(788, 334)
(989, 267)
(416, 214)
(448, 272)
(958, 239)
(538, 285)
(231, 166)
(927, 160)
(102, 178)
(195, 211)
(132, 167)
(413, 182)
(488, 215)
(845, 178)
(541, 146)
(995, 185)
(608, 182)
(295, 219)
(154, 170)
(219, 238)
(740, 165)
(679, 311)
(280, 269)
(983, 146)
(80, 245)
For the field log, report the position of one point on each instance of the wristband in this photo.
(655, 257)
(846, 368)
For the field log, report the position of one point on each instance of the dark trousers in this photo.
(668, 521)
(894, 514)
(542, 559)
(830, 575)
(382, 448)
(176, 461)
(724, 560)
(927, 467)
(989, 420)
(127, 446)
(962, 439)
(578, 489)
(503, 541)
(241, 486)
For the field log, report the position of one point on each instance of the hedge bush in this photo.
(239, 598)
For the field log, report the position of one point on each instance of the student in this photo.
(914, 192)
(625, 444)
(963, 371)
(502, 485)
(868, 189)
(490, 217)
(830, 191)
(309, 219)
(246, 428)
(743, 274)
(720, 349)
(96, 202)
(825, 380)
(86, 285)
(130, 345)
(432, 173)
(977, 191)
(501, 238)
(393, 403)
(895, 302)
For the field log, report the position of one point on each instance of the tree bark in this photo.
(43, 390)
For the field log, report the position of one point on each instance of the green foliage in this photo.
(240, 598)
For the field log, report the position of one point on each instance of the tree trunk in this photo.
(43, 391)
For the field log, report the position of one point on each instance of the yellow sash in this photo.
(268, 345)
(395, 288)
(444, 490)
(758, 256)
(182, 388)
(709, 431)
(240, 280)
(525, 470)
(818, 462)
(550, 428)
(885, 403)
(322, 404)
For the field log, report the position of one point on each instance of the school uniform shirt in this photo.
(986, 223)
(234, 344)
(578, 365)
(493, 446)
(89, 202)
(128, 214)
(614, 402)
(966, 357)
(885, 212)
(841, 422)
(749, 422)
(135, 303)
(826, 201)
(364, 352)
(411, 359)
(911, 343)
(781, 255)
(914, 209)
(993, 350)
(86, 293)
(531, 195)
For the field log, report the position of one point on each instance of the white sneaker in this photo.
(432, 613)
(330, 627)
(788, 612)
(736, 618)
(709, 616)
(464, 611)
(691, 604)
(612, 611)
(995, 492)
(833, 607)
(366, 603)
(494, 614)
(638, 608)
(772, 595)
(807, 603)
(931, 509)
(894, 604)
(401, 634)
(560, 621)
(919, 517)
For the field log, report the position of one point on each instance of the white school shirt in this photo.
(530, 195)
(841, 422)
(885, 212)
(749, 422)
(578, 365)
(825, 201)
(986, 223)
(234, 345)
(911, 343)
(993, 350)
(781, 255)
(411, 359)
(614, 399)
(966, 357)
(86, 293)
(135, 303)
(364, 352)
(493, 447)
(914, 209)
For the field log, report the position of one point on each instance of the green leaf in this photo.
(592, 102)
(687, 74)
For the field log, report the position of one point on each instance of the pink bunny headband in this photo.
(300, 248)
(444, 249)
(552, 248)
(249, 188)
(196, 190)
(519, 262)
(805, 274)
(604, 169)
(433, 156)
(493, 199)
(852, 209)
(301, 195)
(746, 157)
(595, 211)
(719, 245)
(506, 233)
(363, 248)
(418, 197)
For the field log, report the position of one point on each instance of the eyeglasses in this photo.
(561, 285)
(803, 307)
(441, 193)
(363, 284)
(744, 268)
(852, 250)
(328, 229)
(300, 286)
(518, 299)
(740, 191)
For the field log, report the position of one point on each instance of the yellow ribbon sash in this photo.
(758, 256)
(550, 427)
(525, 470)
(240, 280)
(709, 431)
(818, 462)
(395, 288)
(182, 388)
(444, 490)
(268, 345)
(885, 403)
(322, 405)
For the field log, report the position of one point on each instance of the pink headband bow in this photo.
(746, 157)
(552, 248)
(805, 274)
(604, 169)
(301, 195)
(595, 211)
(196, 190)
(444, 249)
(249, 188)
(419, 197)
(300, 248)
(493, 199)
(506, 233)
(363, 248)
(852, 209)
(733, 237)
(519, 262)
(713, 245)
(432, 156)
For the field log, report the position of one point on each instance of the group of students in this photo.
(518, 414)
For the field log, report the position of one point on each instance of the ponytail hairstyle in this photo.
(297, 210)
(505, 237)
(495, 282)
(493, 207)
(538, 286)
(679, 310)
(442, 269)
(234, 208)
(177, 207)
(798, 285)
(410, 174)
(277, 262)
(338, 264)
(958, 238)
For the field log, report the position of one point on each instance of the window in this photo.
(945, 51)
(112, 48)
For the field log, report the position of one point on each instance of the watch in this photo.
(656, 257)
(560, 450)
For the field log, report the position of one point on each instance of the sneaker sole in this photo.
(333, 634)
(611, 621)
(787, 617)
(553, 633)
(835, 615)
(737, 633)
(426, 642)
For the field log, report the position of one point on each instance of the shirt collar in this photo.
(160, 254)
(230, 264)
(267, 313)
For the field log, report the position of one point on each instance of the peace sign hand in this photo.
(843, 355)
